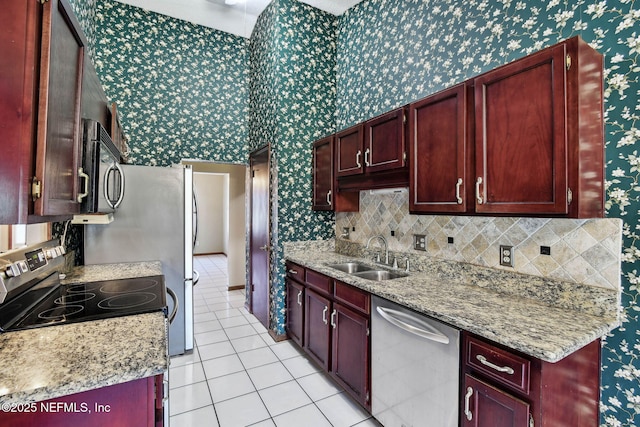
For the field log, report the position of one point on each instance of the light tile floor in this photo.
(239, 376)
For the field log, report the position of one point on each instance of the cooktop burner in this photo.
(50, 303)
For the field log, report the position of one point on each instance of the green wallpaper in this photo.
(292, 102)
(188, 91)
(391, 52)
(182, 89)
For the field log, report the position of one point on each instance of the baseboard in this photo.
(236, 288)
(276, 337)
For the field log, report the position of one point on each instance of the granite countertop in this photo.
(49, 362)
(543, 329)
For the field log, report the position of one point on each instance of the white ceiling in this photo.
(232, 16)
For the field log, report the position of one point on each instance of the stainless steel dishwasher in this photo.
(415, 368)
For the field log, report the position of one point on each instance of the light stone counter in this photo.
(548, 323)
(44, 363)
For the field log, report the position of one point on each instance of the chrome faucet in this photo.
(386, 247)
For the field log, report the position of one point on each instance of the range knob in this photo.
(13, 270)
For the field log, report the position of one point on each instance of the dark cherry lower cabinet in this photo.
(336, 328)
(503, 388)
(295, 311)
(135, 403)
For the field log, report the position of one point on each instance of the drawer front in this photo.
(352, 297)
(501, 365)
(295, 272)
(319, 282)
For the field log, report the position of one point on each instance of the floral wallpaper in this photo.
(187, 91)
(181, 88)
(292, 103)
(390, 53)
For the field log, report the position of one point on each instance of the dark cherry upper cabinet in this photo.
(384, 142)
(373, 154)
(326, 196)
(42, 51)
(441, 152)
(349, 151)
(59, 132)
(539, 134)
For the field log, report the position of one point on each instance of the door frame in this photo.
(265, 149)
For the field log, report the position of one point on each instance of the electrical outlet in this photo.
(420, 242)
(506, 256)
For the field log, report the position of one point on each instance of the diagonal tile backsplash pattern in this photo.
(583, 251)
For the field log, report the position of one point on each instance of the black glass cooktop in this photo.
(50, 303)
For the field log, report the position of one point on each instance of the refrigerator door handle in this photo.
(174, 297)
(196, 277)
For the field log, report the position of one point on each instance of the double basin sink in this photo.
(366, 272)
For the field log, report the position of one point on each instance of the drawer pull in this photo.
(467, 398)
(485, 362)
(292, 271)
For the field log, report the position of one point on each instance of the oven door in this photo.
(101, 164)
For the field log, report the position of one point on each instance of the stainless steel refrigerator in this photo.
(154, 222)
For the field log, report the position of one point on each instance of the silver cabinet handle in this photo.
(358, 154)
(299, 298)
(333, 318)
(292, 271)
(329, 197)
(366, 157)
(478, 196)
(85, 179)
(485, 362)
(324, 314)
(467, 398)
(458, 185)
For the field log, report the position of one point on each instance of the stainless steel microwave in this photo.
(101, 163)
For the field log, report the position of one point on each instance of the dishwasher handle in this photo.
(398, 318)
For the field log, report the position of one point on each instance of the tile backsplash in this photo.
(584, 251)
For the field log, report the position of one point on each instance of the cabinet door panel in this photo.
(317, 333)
(349, 152)
(489, 407)
(384, 142)
(439, 153)
(350, 355)
(295, 311)
(58, 146)
(521, 136)
(323, 174)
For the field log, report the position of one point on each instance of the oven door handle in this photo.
(174, 297)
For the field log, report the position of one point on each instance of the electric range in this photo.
(34, 297)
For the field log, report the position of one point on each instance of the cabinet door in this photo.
(317, 332)
(19, 49)
(439, 152)
(350, 352)
(323, 174)
(487, 406)
(384, 145)
(59, 130)
(521, 158)
(349, 152)
(295, 311)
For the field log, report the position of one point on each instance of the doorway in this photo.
(220, 207)
(259, 242)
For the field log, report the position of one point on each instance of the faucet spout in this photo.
(386, 247)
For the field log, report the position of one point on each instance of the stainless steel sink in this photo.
(379, 275)
(350, 267)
